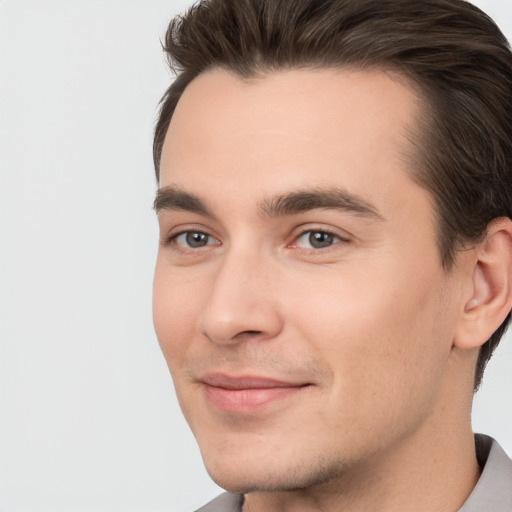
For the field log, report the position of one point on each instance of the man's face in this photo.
(299, 298)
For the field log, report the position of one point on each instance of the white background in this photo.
(88, 417)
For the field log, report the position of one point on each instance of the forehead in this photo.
(290, 129)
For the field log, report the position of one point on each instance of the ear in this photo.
(490, 293)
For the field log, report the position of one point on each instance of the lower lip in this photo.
(248, 400)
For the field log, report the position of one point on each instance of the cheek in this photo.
(174, 315)
(381, 338)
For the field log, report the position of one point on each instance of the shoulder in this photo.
(226, 502)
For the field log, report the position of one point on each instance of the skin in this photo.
(376, 332)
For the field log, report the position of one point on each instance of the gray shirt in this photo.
(493, 491)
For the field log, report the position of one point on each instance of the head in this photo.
(407, 119)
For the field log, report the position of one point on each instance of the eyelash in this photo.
(173, 240)
(337, 239)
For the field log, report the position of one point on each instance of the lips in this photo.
(247, 394)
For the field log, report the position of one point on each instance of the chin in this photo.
(245, 474)
(235, 470)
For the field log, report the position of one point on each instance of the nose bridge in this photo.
(241, 299)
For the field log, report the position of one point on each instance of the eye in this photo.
(317, 240)
(194, 240)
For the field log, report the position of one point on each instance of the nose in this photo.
(243, 303)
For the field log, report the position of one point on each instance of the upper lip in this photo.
(221, 380)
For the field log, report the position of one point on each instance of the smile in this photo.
(247, 394)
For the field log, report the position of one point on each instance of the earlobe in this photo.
(490, 300)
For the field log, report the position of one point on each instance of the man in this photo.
(334, 269)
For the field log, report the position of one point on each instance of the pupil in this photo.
(318, 240)
(197, 239)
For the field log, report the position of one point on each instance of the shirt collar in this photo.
(494, 488)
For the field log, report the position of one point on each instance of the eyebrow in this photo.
(172, 198)
(292, 203)
(319, 198)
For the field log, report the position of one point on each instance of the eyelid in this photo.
(342, 236)
(170, 238)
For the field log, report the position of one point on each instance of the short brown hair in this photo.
(454, 55)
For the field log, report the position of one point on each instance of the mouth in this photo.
(247, 394)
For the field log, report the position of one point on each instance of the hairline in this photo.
(415, 134)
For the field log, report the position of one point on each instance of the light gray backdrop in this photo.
(88, 417)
